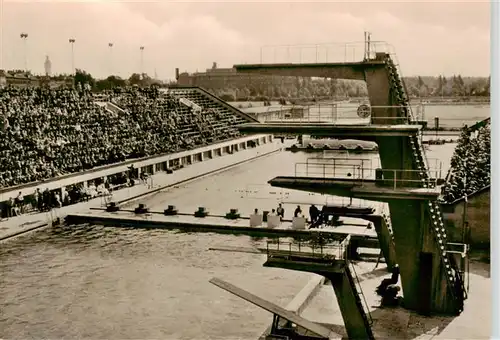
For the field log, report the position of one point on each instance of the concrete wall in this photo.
(478, 216)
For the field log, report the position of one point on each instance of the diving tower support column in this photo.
(424, 285)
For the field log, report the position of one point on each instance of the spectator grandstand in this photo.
(46, 133)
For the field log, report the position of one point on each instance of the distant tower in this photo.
(48, 66)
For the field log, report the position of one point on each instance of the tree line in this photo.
(416, 87)
(299, 87)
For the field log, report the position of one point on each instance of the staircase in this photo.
(206, 100)
(453, 275)
(360, 297)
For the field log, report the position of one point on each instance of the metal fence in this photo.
(312, 249)
(395, 178)
(333, 113)
(322, 52)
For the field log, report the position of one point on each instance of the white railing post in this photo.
(394, 179)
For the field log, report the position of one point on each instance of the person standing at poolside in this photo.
(280, 212)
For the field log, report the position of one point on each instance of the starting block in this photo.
(256, 220)
(112, 207)
(299, 223)
(233, 214)
(141, 209)
(201, 212)
(273, 221)
(170, 211)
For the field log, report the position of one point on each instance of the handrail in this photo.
(334, 113)
(336, 250)
(360, 293)
(359, 165)
(333, 161)
(356, 170)
(322, 52)
(361, 174)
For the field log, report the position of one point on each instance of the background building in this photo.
(47, 66)
(216, 78)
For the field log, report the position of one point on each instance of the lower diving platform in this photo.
(356, 188)
(329, 260)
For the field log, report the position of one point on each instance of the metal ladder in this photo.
(453, 277)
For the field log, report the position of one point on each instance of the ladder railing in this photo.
(389, 224)
(453, 277)
(395, 69)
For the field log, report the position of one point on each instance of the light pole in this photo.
(72, 43)
(110, 45)
(1, 33)
(24, 37)
(142, 60)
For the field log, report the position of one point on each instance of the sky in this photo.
(429, 38)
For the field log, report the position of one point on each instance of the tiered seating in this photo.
(45, 133)
(453, 275)
(213, 124)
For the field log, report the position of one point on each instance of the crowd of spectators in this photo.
(45, 133)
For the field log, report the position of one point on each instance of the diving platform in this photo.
(306, 330)
(360, 132)
(329, 259)
(343, 70)
(355, 188)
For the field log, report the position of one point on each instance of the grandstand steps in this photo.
(104, 105)
(208, 101)
(112, 107)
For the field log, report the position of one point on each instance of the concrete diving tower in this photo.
(431, 279)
